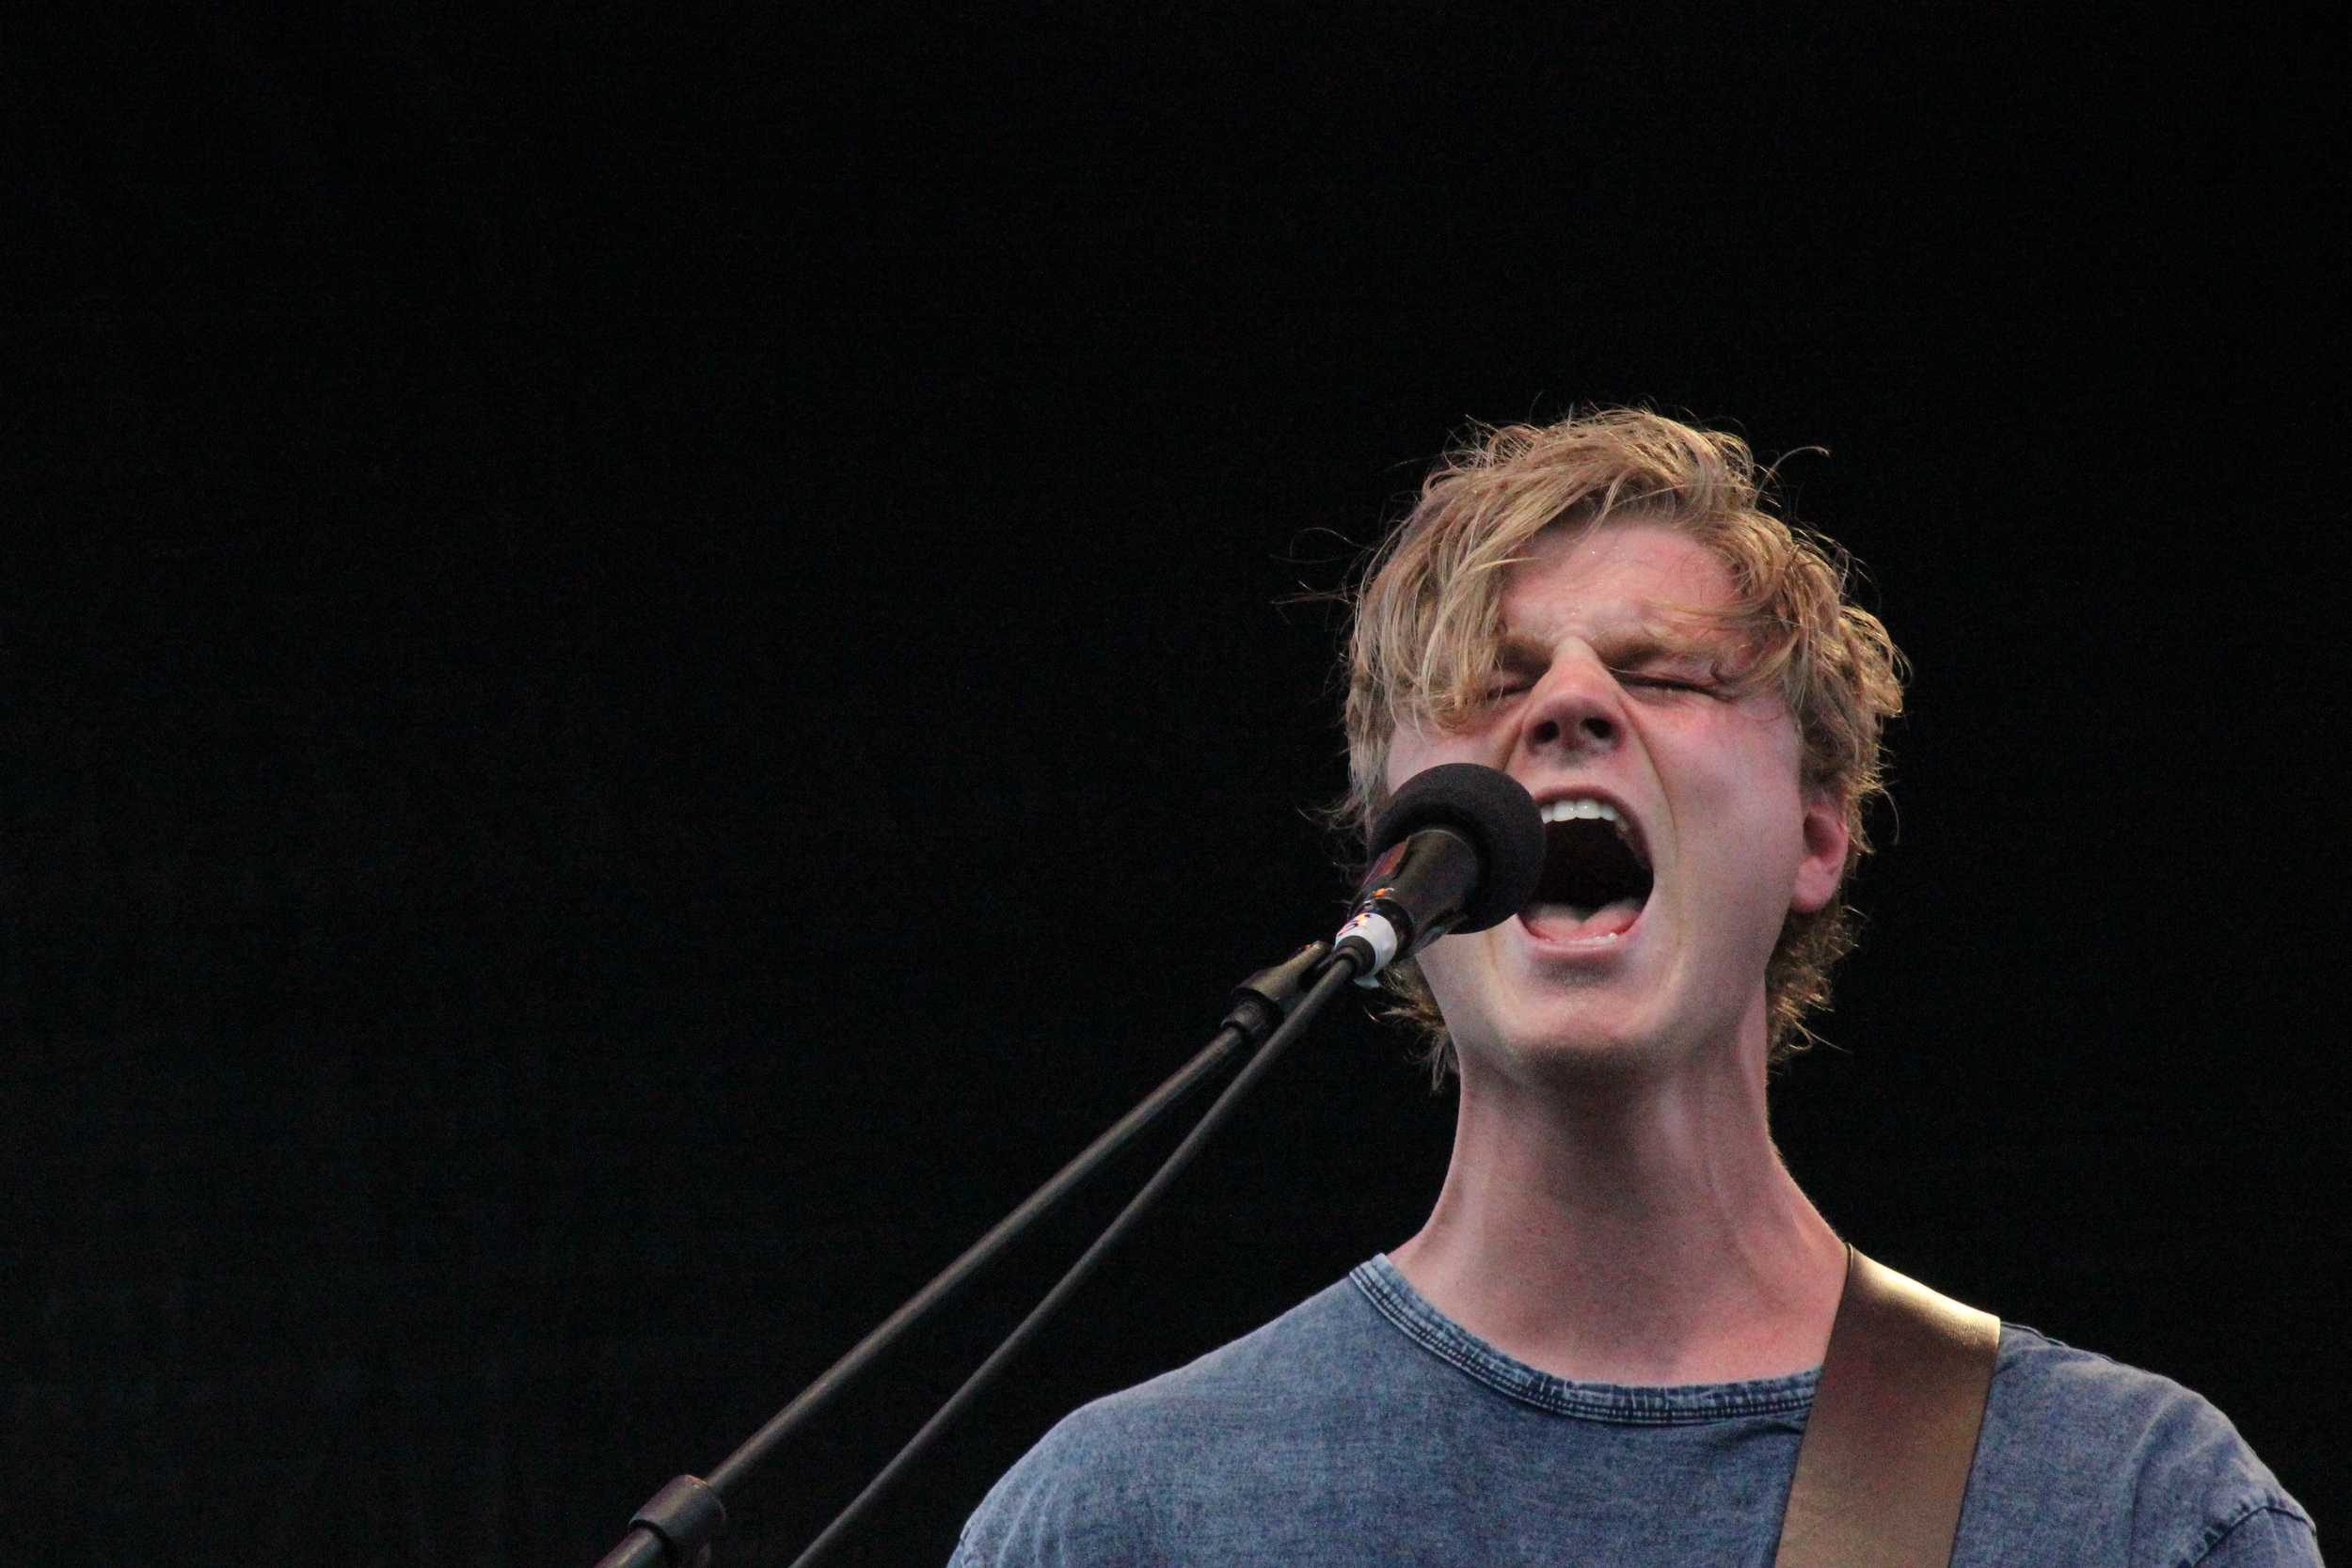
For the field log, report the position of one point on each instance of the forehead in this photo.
(1611, 578)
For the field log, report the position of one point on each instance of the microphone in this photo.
(1459, 848)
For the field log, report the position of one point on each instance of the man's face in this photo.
(1650, 935)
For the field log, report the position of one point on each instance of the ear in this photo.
(1825, 843)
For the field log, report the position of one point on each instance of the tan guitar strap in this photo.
(1887, 1451)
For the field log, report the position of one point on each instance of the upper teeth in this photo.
(1562, 810)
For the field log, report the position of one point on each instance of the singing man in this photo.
(1604, 1344)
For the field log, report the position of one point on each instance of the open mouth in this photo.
(1596, 878)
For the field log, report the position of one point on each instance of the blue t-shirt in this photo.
(1365, 1427)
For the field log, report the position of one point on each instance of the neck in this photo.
(1637, 1231)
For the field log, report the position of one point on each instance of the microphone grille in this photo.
(1494, 812)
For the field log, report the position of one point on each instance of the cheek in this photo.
(1770, 838)
(1445, 966)
(1410, 753)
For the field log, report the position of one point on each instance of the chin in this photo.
(1572, 1045)
(1590, 1040)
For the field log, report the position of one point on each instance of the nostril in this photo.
(1545, 732)
(1598, 728)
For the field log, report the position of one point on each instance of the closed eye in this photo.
(1514, 678)
(1506, 689)
(1665, 683)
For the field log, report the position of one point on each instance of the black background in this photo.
(650, 671)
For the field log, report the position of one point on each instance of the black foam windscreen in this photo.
(1494, 812)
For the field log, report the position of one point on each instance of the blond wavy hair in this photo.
(1426, 635)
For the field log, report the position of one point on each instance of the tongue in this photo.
(1575, 923)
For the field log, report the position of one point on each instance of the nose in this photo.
(1574, 709)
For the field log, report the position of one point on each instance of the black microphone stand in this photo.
(1269, 1011)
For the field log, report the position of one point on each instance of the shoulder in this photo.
(1112, 1478)
(2078, 1442)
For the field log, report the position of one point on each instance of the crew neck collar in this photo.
(1669, 1404)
